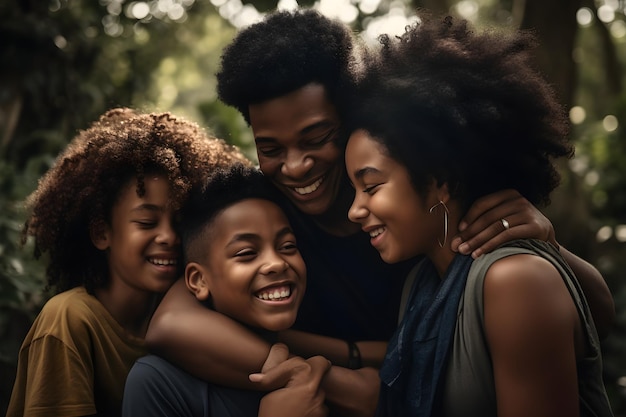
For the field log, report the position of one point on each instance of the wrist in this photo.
(354, 356)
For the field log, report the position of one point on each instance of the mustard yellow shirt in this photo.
(74, 360)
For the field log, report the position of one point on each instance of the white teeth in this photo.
(275, 295)
(309, 188)
(376, 232)
(163, 261)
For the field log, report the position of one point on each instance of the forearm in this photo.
(352, 392)
(205, 343)
(336, 350)
(596, 292)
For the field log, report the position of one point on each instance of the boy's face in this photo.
(142, 245)
(253, 271)
(295, 140)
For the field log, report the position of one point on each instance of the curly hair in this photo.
(225, 187)
(283, 53)
(76, 196)
(463, 107)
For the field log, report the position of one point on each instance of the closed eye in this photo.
(245, 254)
(145, 224)
(270, 151)
(322, 140)
(288, 247)
(371, 189)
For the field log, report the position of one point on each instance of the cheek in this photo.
(268, 165)
(412, 226)
(300, 268)
(331, 154)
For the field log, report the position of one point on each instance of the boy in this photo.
(241, 260)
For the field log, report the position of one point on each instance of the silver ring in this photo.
(505, 224)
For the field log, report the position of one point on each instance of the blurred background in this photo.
(63, 63)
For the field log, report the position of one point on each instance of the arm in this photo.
(336, 350)
(205, 343)
(534, 337)
(352, 393)
(481, 231)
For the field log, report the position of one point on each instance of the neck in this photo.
(131, 309)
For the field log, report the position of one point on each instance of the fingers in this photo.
(279, 352)
(279, 375)
(319, 366)
(486, 205)
(292, 371)
(485, 231)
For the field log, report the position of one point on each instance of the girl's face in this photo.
(142, 246)
(386, 205)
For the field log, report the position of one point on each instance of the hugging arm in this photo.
(305, 344)
(481, 231)
(215, 348)
(204, 342)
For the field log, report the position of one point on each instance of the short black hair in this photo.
(463, 107)
(282, 53)
(223, 188)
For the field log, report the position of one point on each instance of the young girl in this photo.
(105, 217)
(443, 117)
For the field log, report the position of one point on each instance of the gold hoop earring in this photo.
(445, 221)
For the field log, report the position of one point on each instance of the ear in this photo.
(437, 192)
(100, 235)
(197, 280)
(443, 192)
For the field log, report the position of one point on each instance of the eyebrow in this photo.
(307, 129)
(359, 174)
(148, 207)
(245, 237)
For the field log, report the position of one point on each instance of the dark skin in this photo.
(478, 223)
(294, 127)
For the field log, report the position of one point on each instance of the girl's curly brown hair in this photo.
(75, 197)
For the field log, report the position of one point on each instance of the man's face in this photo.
(295, 139)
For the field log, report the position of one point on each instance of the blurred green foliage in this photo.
(65, 62)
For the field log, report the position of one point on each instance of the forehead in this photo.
(252, 216)
(293, 112)
(156, 189)
(362, 146)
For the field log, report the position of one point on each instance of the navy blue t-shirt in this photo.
(351, 294)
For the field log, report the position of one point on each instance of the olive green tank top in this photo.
(469, 389)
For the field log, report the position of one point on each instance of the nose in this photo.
(274, 264)
(297, 164)
(357, 211)
(167, 235)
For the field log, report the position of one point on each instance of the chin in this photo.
(390, 258)
(280, 324)
(315, 209)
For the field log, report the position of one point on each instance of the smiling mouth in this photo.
(163, 262)
(309, 188)
(376, 232)
(274, 294)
